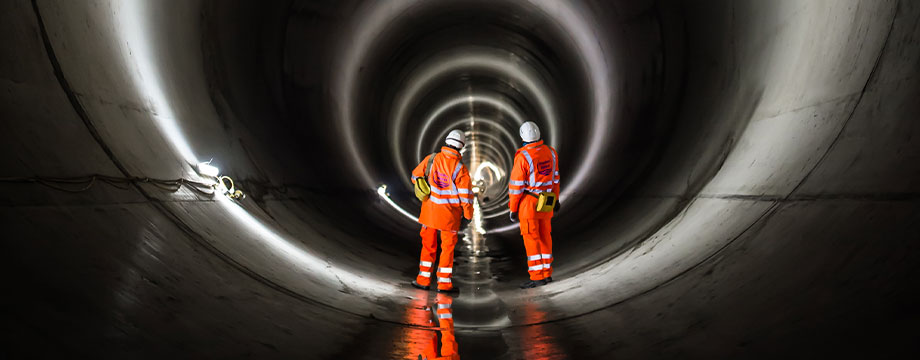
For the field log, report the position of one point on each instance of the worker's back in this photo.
(450, 190)
(536, 170)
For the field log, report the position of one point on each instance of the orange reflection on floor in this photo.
(429, 324)
(444, 317)
(540, 344)
(415, 339)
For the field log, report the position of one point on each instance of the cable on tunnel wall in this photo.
(87, 182)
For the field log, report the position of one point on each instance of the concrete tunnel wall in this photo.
(765, 200)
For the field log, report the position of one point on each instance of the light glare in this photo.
(206, 169)
(382, 191)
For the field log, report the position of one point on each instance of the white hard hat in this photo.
(530, 132)
(456, 138)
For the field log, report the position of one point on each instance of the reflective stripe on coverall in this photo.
(535, 170)
(451, 196)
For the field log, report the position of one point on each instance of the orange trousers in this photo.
(429, 249)
(539, 246)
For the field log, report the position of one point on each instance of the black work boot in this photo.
(549, 279)
(419, 286)
(532, 284)
(448, 291)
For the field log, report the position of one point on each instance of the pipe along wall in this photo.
(740, 178)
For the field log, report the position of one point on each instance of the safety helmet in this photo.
(530, 132)
(456, 138)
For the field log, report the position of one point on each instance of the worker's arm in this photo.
(420, 169)
(556, 174)
(464, 187)
(517, 182)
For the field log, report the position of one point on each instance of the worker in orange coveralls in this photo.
(445, 317)
(451, 195)
(535, 171)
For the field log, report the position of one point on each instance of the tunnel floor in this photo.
(482, 321)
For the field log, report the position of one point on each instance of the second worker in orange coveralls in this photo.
(451, 196)
(535, 171)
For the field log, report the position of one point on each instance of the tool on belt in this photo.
(545, 200)
(422, 189)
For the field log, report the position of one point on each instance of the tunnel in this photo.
(739, 179)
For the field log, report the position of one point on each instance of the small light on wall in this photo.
(382, 191)
(206, 169)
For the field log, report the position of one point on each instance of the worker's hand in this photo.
(464, 222)
(513, 216)
(557, 206)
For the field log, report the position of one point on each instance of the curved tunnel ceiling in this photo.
(739, 178)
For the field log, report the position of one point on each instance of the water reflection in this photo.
(441, 344)
(416, 339)
(538, 342)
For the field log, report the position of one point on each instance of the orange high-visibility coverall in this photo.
(451, 195)
(535, 170)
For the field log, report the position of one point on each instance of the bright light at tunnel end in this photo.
(576, 22)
